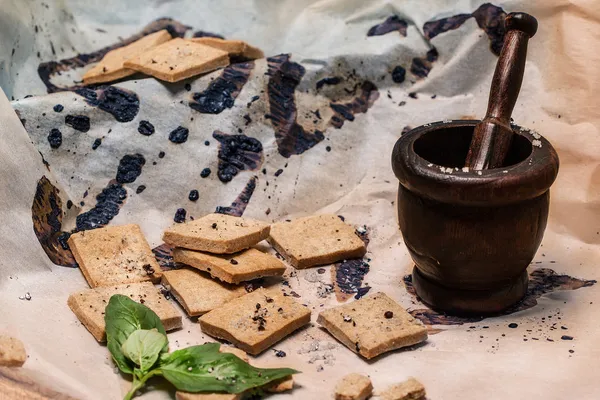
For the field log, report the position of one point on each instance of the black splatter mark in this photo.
(421, 66)
(413, 95)
(328, 149)
(194, 195)
(207, 34)
(398, 74)
(513, 325)
(247, 119)
(566, 337)
(290, 136)
(55, 138)
(78, 122)
(222, 92)
(347, 276)
(278, 172)
(58, 108)
(489, 17)
(391, 24)
(205, 172)
(334, 80)
(360, 104)
(541, 281)
(130, 167)
(140, 189)
(163, 254)
(161, 154)
(238, 207)
(179, 135)
(108, 204)
(237, 153)
(187, 87)
(47, 70)
(180, 215)
(96, 143)
(120, 103)
(145, 128)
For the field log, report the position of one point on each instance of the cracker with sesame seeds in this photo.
(232, 268)
(198, 293)
(353, 387)
(373, 325)
(178, 59)
(217, 234)
(256, 321)
(235, 48)
(111, 67)
(114, 255)
(411, 389)
(316, 240)
(89, 306)
(12, 352)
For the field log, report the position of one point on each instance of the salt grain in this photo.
(536, 143)
(465, 169)
(478, 172)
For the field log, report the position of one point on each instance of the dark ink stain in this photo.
(180, 215)
(360, 104)
(96, 143)
(108, 204)
(290, 136)
(145, 128)
(120, 103)
(238, 207)
(421, 66)
(130, 167)
(541, 282)
(140, 189)
(194, 195)
(347, 276)
(391, 24)
(47, 70)
(489, 17)
(222, 92)
(179, 135)
(237, 153)
(205, 172)
(207, 34)
(398, 74)
(78, 122)
(334, 80)
(55, 138)
(46, 212)
(58, 108)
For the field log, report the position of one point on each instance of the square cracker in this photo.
(111, 68)
(316, 240)
(366, 326)
(256, 321)
(114, 255)
(178, 59)
(411, 389)
(89, 306)
(235, 48)
(197, 293)
(232, 268)
(12, 352)
(217, 233)
(353, 387)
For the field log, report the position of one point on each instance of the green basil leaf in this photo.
(124, 316)
(205, 369)
(143, 347)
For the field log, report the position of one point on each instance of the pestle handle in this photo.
(493, 135)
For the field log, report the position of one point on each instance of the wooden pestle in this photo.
(493, 135)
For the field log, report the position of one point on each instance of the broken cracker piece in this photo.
(89, 306)
(232, 268)
(217, 233)
(256, 321)
(353, 387)
(178, 59)
(114, 255)
(280, 385)
(12, 352)
(316, 240)
(373, 325)
(411, 389)
(198, 293)
(235, 48)
(111, 68)
(241, 354)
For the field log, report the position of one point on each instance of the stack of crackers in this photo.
(218, 256)
(169, 59)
